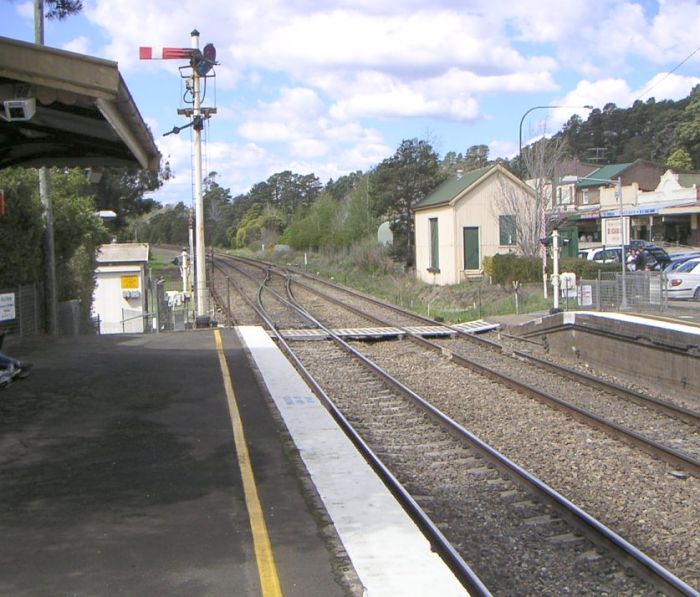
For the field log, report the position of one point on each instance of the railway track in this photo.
(378, 351)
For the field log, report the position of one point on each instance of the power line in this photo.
(668, 74)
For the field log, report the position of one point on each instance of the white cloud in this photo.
(299, 80)
(25, 10)
(618, 91)
(79, 44)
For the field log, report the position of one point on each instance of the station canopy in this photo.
(64, 109)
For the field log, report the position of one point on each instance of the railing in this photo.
(642, 291)
(23, 314)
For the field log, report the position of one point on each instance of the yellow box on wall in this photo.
(130, 282)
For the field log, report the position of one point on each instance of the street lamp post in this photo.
(618, 195)
(542, 208)
(520, 136)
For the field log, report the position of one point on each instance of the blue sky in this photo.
(330, 87)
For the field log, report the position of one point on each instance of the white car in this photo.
(684, 282)
(601, 254)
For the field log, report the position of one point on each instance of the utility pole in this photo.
(47, 203)
(555, 273)
(623, 253)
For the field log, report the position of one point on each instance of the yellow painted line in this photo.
(267, 571)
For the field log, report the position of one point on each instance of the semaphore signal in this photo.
(201, 63)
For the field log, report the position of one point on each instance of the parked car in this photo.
(684, 282)
(657, 257)
(678, 259)
(601, 254)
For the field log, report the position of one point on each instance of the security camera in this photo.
(19, 109)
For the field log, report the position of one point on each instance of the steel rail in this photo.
(656, 449)
(434, 535)
(687, 415)
(620, 549)
(604, 537)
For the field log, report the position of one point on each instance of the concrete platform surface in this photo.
(119, 474)
(390, 554)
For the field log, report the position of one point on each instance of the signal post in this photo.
(201, 63)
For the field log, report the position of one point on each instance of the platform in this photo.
(389, 553)
(126, 463)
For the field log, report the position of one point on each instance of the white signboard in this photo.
(611, 231)
(586, 297)
(7, 306)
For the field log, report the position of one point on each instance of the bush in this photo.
(504, 269)
(583, 268)
(509, 267)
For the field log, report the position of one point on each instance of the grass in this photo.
(163, 266)
(380, 277)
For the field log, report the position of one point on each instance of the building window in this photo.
(434, 246)
(506, 230)
(585, 199)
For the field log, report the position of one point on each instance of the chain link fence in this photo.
(614, 292)
(22, 311)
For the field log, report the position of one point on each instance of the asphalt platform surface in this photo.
(118, 473)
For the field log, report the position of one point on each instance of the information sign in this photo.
(130, 282)
(7, 306)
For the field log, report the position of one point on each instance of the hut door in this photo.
(470, 240)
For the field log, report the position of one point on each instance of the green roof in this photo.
(452, 187)
(687, 180)
(604, 173)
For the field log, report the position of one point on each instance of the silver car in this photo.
(684, 282)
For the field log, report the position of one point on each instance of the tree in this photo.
(60, 9)
(21, 229)
(217, 212)
(166, 226)
(316, 229)
(79, 234)
(398, 183)
(123, 191)
(261, 225)
(345, 185)
(680, 160)
(688, 129)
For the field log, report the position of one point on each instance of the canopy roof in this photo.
(85, 115)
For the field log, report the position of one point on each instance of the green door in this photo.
(569, 249)
(470, 239)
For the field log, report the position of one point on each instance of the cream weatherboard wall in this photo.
(478, 207)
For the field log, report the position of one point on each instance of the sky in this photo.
(330, 87)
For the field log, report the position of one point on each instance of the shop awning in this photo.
(60, 108)
(686, 209)
(649, 209)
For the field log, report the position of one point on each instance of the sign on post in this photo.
(7, 306)
(612, 235)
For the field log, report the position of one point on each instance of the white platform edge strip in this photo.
(388, 551)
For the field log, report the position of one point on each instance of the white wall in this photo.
(480, 208)
(111, 302)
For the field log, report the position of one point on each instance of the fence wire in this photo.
(615, 292)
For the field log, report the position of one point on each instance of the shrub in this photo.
(510, 267)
